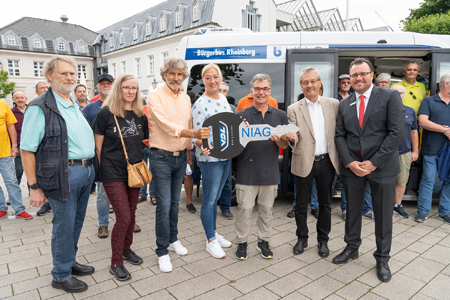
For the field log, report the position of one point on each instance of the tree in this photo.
(431, 24)
(429, 7)
(6, 87)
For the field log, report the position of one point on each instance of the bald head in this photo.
(400, 89)
(20, 100)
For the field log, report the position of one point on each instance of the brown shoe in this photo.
(136, 228)
(142, 198)
(103, 232)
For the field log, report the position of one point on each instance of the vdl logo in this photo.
(224, 140)
(203, 31)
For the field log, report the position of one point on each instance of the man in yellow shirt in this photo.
(415, 91)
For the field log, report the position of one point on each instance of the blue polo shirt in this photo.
(91, 110)
(410, 124)
(438, 112)
(81, 136)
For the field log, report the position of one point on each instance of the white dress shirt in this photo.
(318, 122)
(366, 100)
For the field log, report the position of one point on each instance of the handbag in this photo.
(444, 161)
(138, 174)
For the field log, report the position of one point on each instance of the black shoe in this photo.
(315, 213)
(191, 208)
(383, 271)
(264, 248)
(82, 270)
(133, 258)
(291, 214)
(227, 215)
(323, 250)
(7, 202)
(345, 256)
(45, 209)
(300, 247)
(71, 285)
(241, 252)
(120, 272)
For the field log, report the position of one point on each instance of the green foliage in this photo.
(432, 24)
(429, 7)
(6, 87)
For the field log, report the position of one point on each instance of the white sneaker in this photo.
(222, 241)
(214, 249)
(178, 248)
(164, 263)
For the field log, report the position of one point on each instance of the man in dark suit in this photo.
(369, 129)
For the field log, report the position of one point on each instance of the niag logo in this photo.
(203, 30)
(223, 129)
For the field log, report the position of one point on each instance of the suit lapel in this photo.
(372, 101)
(326, 115)
(354, 112)
(305, 113)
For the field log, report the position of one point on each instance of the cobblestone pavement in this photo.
(420, 260)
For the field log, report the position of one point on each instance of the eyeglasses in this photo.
(383, 82)
(127, 88)
(414, 96)
(223, 90)
(313, 82)
(66, 74)
(264, 89)
(362, 74)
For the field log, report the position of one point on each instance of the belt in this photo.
(176, 153)
(321, 157)
(86, 162)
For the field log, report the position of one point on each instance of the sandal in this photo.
(111, 209)
(153, 200)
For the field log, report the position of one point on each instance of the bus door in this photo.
(326, 61)
(440, 65)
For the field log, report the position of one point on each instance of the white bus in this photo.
(241, 54)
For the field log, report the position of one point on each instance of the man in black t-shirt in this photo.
(257, 173)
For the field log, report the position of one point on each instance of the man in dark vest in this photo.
(57, 150)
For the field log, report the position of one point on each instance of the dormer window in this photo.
(135, 32)
(178, 17)
(162, 22)
(11, 40)
(37, 42)
(121, 37)
(195, 11)
(111, 41)
(148, 28)
(61, 45)
(80, 47)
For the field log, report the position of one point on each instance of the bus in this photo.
(241, 54)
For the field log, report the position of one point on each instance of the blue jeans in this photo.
(314, 199)
(68, 218)
(225, 197)
(367, 200)
(18, 167)
(102, 205)
(214, 175)
(8, 172)
(143, 191)
(426, 188)
(168, 175)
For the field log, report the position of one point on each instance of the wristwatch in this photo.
(34, 186)
(14, 145)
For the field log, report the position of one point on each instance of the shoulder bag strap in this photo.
(121, 139)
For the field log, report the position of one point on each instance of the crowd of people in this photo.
(366, 139)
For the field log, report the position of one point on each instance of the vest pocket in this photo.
(46, 177)
(53, 137)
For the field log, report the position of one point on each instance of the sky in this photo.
(96, 15)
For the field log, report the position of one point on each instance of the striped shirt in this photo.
(168, 116)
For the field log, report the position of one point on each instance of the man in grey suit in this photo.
(314, 156)
(369, 129)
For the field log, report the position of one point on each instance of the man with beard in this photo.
(81, 96)
(20, 101)
(57, 151)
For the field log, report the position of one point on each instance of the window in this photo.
(148, 27)
(114, 70)
(121, 37)
(195, 11)
(164, 55)
(38, 66)
(178, 17)
(111, 41)
(80, 47)
(124, 66)
(61, 45)
(138, 66)
(151, 64)
(13, 68)
(37, 42)
(250, 19)
(135, 32)
(162, 22)
(81, 71)
(11, 40)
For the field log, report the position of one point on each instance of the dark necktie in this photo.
(361, 114)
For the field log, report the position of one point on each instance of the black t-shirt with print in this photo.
(113, 166)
